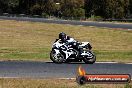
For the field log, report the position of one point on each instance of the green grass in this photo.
(33, 40)
(18, 54)
(118, 56)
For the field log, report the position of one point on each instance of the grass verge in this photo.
(53, 83)
(33, 40)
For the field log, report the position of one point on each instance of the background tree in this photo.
(13, 6)
(107, 8)
(69, 8)
(94, 7)
(130, 6)
(3, 6)
(73, 8)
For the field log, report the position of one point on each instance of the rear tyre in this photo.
(56, 58)
(90, 60)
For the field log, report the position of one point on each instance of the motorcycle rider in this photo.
(70, 41)
(66, 39)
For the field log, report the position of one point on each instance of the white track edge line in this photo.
(104, 62)
(43, 78)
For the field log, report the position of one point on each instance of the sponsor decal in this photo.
(83, 77)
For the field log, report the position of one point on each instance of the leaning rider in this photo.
(68, 40)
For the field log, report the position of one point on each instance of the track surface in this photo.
(97, 24)
(50, 70)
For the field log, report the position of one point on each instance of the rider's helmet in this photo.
(62, 36)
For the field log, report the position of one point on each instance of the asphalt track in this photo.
(97, 24)
(30, 69)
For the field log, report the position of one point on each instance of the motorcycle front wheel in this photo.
(90, 60)
(56, 58)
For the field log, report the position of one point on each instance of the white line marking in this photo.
(99, 62)
(80, 25)
(106, 62)
(83, 62)
(129, 29)
(39, 78)
(12, 77)
(68, 78)
(113, 62)
(128, 63)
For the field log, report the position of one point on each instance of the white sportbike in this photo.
(72, 52)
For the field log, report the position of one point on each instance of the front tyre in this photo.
(90, 60)
(56, 58)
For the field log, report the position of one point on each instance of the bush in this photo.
(95, 18)
(79, 12)
(36, 9)
(45, 15)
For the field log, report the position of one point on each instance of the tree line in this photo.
(118, 9)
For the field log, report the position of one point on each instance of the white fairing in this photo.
(71, 40)
(57, 51)
(84, 43)
(67, 54)
(85, 53)
(68, 51)
(58, 44)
